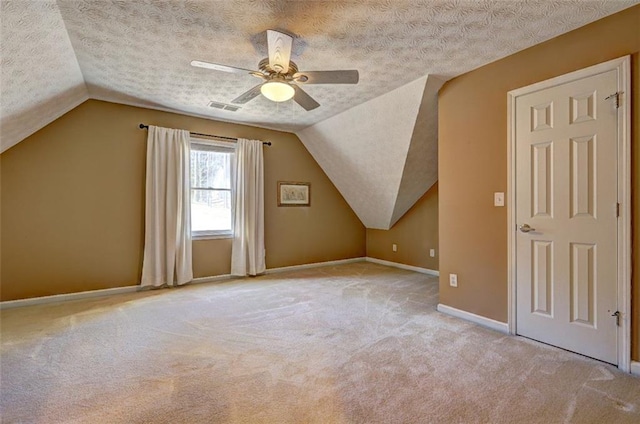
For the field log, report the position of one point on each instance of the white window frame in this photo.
(227, 148)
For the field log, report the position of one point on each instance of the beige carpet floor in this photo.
(357, 343)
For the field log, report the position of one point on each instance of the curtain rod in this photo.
(230, 139)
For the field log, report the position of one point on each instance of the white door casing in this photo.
(569, 154)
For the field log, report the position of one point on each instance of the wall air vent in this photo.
(223, 106)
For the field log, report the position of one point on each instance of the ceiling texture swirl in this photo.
(57, 54)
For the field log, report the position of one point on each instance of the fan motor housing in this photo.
(267, 70)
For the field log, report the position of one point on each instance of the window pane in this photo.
(210, 169)
(210, 210)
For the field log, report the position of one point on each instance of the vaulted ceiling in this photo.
(57, 54)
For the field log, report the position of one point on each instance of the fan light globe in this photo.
(277, 91)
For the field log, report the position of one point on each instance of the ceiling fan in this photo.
(281, 76)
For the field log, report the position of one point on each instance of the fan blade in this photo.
(247, 95)
(303, 99)
(327, 77)
(279, 47)
(217, 67)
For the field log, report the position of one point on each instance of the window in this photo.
(211, 196)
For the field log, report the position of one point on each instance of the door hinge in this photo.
(617, 210)
(617, 315)
(616, 97)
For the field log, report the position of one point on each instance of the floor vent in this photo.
(223, 106)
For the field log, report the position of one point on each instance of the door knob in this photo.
(617, 315)
(525, 228)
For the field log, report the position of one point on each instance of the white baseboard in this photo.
(502, 327)
(128, 289)
(211, 279)
(313, 265)
(403, 266)
(94, 293)
(635, 368)
(67, 296)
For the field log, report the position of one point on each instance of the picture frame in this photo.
(292, 193)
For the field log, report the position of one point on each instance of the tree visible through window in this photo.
(211, 197)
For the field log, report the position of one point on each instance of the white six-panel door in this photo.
(566, 189)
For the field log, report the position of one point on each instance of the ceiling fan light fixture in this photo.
(277, 91)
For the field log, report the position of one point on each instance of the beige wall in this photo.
(473, 160)
(414, 234)
(73, 204)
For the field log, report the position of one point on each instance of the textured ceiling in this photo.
(40, 79)
(376, 140)
(381, 168)
(138, 52)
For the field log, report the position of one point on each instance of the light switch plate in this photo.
(498, 199)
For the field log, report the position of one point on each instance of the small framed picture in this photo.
(294, 194)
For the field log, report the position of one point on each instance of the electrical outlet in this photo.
(453, 280)
(498, 199)
(432, 253)
(394, 247)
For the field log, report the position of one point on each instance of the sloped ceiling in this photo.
(382, 155)
(40, 77)
(420, 169)
(56, 54)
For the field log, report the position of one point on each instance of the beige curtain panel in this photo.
(167, 241)
(247, 252)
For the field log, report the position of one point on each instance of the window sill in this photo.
(212, 236)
